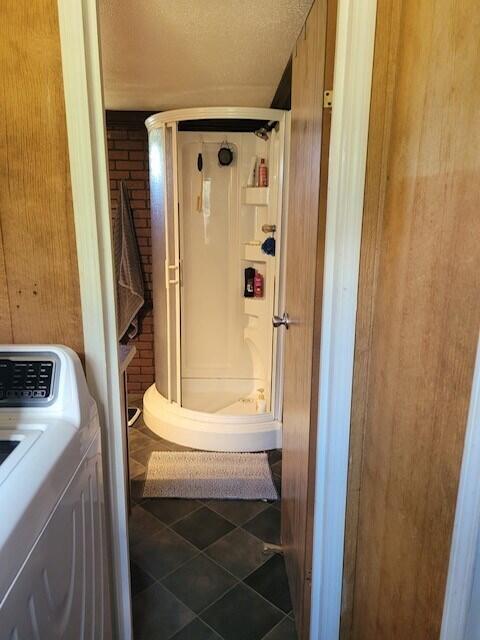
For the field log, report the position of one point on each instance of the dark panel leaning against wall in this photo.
(39, 288)
(283, 95)
(128, 160)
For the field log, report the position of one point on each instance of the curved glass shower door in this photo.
(166, 265)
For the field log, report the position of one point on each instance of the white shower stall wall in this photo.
(215, 350)
(222, 368)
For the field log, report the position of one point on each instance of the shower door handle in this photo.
(278, 321)
(176, 268)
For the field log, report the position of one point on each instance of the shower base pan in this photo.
(210, 431)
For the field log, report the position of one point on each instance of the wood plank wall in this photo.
(418, 317)
(39, 289)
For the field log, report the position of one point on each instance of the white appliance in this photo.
(53, 564)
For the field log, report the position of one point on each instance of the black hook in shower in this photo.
(200, 162)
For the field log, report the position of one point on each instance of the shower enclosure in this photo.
(216, 284)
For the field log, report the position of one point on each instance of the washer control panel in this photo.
(28, 379)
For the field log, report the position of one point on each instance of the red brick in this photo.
(118, 155)
(134, 145)
(133, 370)
(119, 175)
(116, 134)
(144, 378)
(138, 155)
(139, 175)
(128, 165)
(148, 370)
(139, 194)
(136, 184)
(138, 134)
(142, 213)
(137, 204)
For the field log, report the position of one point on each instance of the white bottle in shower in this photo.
(252, 174)
(261, 402)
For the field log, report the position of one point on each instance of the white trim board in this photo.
(462, 569)
(91, 203)
(346, 184)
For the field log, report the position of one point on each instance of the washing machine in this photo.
(54, 580)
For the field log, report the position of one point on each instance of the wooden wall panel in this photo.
(418, 317)
(39, 290)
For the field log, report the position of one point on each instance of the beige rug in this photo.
(204, 474)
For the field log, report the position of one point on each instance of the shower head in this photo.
(264, 131)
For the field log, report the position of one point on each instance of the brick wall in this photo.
(128, 160)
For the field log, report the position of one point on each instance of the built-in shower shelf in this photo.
(255, 306)
(254, 253)
(257, 196)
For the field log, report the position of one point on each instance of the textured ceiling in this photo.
(164, 54)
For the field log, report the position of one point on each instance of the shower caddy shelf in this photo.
(256, 196)
(254, 253)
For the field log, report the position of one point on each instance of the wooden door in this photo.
(304, 271)
(417, 320)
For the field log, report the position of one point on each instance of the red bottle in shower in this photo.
(258, 285)
(262, 174)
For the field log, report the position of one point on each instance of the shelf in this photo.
(255, 306)
(257, 196)
(254, 253)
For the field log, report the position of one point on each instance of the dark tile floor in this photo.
(197, 567)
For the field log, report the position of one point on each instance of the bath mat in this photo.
(204, 474)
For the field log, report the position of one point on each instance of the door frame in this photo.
(466, 528)
(352, 84)
(86, 130)
(80, 49)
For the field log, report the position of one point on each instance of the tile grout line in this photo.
(242, 581)
(237, 581)
(179, 601)
(202, 551)
(197, 617)
(286, 617)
